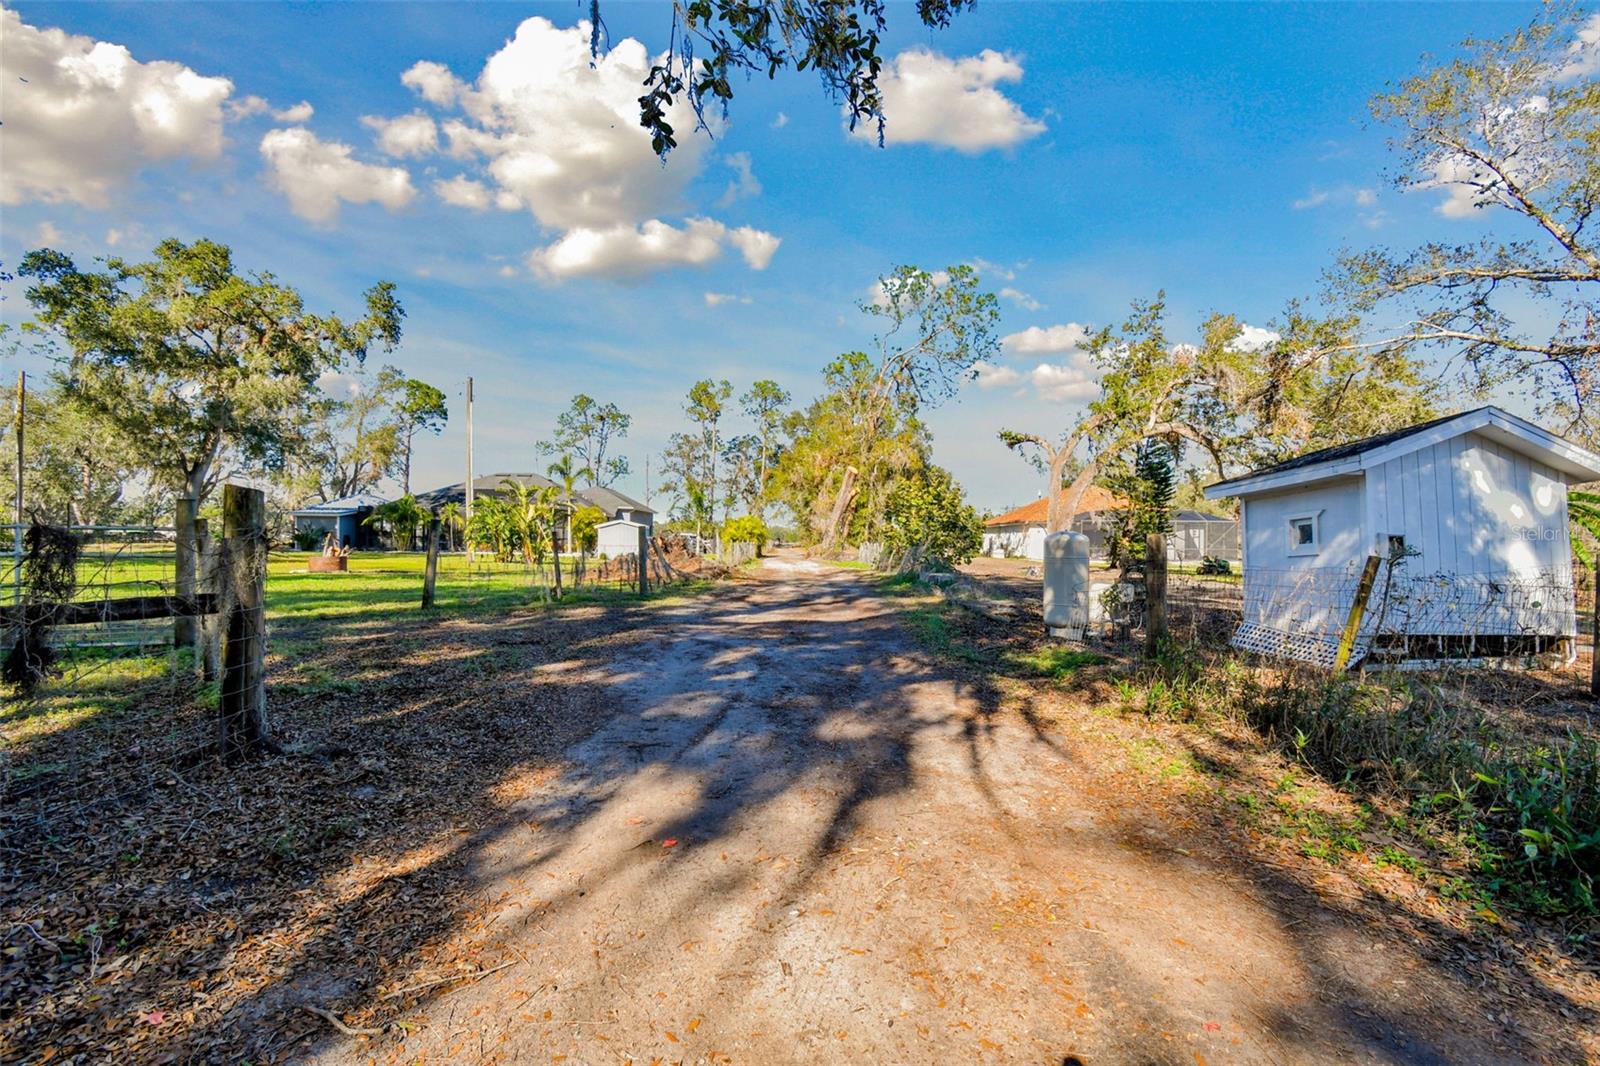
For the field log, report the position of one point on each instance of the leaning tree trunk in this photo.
(841, 508)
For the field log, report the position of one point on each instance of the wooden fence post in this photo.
(186, 562)
(244, 726)
(1155, 593)
(1358, 609)
(644, 561)
(1594, 638)
(207, 630)
(555, 555)
(430, 571)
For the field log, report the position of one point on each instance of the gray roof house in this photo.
(345, 518)
(616, 505)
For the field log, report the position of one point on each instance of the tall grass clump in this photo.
(1528, 812)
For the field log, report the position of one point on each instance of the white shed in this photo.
(618, 537)
(1469, 515)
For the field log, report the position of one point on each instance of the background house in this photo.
(617, 506)
(1197, 535)
(1019, 533)
(345, 518)
(1471, 508)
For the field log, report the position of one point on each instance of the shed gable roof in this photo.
(1341, 460)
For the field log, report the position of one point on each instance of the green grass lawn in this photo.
(375, 582)
(378, 582)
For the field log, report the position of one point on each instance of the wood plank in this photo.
(123, 609)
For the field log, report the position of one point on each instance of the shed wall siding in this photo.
(1471, 506)
(1305, 594)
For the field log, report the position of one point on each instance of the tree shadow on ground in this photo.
(442, 760)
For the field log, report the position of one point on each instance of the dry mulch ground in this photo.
(194, 920)
(759, 826)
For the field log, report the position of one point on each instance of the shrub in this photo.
(926, 514)
(747, 529)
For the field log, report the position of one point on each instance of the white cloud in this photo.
(246, 106)
(556, 132)
(631, 251)
(404, 135)
(1255, 338)
(878, 294)
(929, 98)
(781, 121)
(1583, 54)
(462, 191)
(1065, 382)
(508, 271)
(1343, 194)
(990, 376)
(744, 183)
(297, 114)
(1020, 298)
(47, 233)
(717, 299)
(82, 115)
(1049, 340)
(757, 246)
(433, 82)
(317, 175)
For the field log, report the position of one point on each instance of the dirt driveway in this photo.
(804, 841)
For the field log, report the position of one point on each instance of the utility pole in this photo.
(16, 533)
(469, 468)
(647, 481)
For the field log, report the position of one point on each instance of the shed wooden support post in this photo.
(243, 705)
(1358, 610)
(644, 561)
(186, 569)
(430, 571)
(1594, 636)
(1155, 594)
(208, 660)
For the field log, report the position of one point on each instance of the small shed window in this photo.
(1305, 534)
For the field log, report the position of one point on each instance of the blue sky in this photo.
(1082, 155)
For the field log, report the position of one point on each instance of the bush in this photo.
(586, 528)
(747, 529)
(927, 514)
(1528, 815)
(1533, 814)
(307, 540)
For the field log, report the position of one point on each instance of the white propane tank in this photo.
(1066, 585)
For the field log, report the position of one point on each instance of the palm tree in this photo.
(402, 516)
(452, 519)
(532, 511)
(564, 470)
(1583, 511)
(491, 525)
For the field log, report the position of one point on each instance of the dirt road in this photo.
(804, 841)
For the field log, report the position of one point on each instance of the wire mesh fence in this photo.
(1538, 619)
(101, 700)
(121, 681)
